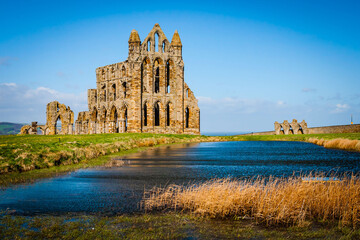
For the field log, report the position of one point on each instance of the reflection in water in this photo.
(114, 190)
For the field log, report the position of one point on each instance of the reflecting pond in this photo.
(115, 190)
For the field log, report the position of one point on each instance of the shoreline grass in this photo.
(270, 201)
(337, 143)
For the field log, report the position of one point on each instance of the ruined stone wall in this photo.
(336, 129)
(294, 127)
(54, 112)
(145, 93)
(354, 128)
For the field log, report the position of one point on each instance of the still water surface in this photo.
(117, 190)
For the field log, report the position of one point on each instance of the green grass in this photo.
(159, 226)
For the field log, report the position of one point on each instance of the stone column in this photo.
(286, 127)
(70, 131)
(295, 126)
(277, 128)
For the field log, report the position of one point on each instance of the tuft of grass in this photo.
(272, 201)
(337, 143)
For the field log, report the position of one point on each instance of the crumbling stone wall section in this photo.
(33, 129)
(145, 93)
(303, 129)
(54, 112)
(351, 128)
(25, 129)
(290, 128)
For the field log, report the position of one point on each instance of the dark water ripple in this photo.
(118, 190)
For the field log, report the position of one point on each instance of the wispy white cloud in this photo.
(19, 103)
(341, 108)
(8, 84)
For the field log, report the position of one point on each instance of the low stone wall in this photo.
(354, 128)
(335, 129)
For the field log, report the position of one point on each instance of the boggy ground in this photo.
(160, 226)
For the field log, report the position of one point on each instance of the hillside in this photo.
(7, 128)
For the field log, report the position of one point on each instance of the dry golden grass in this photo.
(338, 143)
(273, 201)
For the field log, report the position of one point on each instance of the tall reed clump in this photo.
(273, 201)
(338, 143)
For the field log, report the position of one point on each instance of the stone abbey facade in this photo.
(145, 93)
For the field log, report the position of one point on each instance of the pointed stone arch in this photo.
(187, 117)
(124, 118)
(168, 114)
(146, 75)
(157, 113)
(169, 76)
(123, 71)
(158, 68)
(165, 46)
(145, 114)
(55, 111)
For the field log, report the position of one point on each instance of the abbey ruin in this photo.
(291, 128)
(145, 93)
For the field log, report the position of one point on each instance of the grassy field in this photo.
(160, 226)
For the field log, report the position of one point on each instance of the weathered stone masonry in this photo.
(145, 93)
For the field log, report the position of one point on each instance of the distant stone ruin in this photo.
(59, 120)
(145, 93)
(33, 129)
(294, 127)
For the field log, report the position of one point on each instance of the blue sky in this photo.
(249, 63)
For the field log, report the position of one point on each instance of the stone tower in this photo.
(145, 93)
